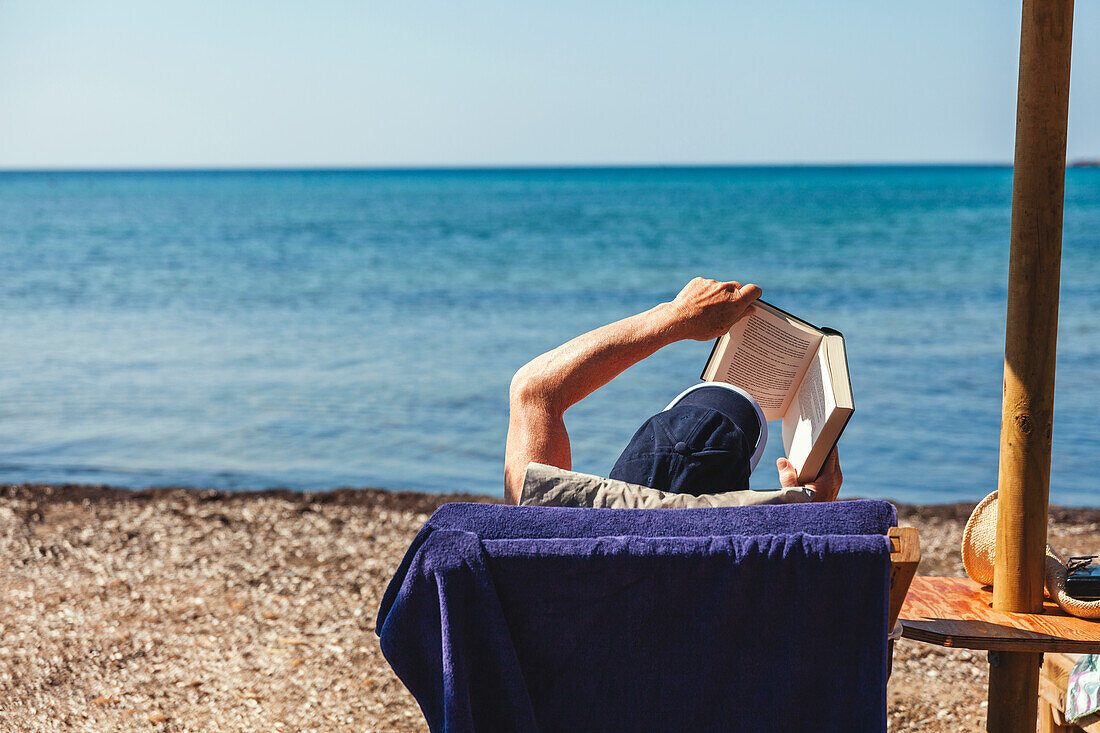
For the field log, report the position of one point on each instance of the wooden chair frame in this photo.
(904, 558)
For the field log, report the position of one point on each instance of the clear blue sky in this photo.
(435, 82)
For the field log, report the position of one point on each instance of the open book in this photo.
(797, 372)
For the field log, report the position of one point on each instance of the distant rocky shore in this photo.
(195, 610)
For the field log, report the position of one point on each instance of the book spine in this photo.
(836, 442)
(713, 354)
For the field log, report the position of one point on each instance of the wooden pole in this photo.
(1038, 192)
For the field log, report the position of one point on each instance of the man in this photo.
(707, 432)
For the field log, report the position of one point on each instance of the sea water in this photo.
(315, 329)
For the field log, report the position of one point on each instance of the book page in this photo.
(810, 410)
(767, 356)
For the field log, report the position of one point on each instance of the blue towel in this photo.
(747, 618)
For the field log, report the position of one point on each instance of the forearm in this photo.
(564, 376)
(544, 388)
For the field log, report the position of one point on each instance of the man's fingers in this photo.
(830, 477)
(787, 475)
(742, 294)
(751, 292)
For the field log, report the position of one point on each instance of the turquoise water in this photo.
(317, 329)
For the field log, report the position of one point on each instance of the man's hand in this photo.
(827, 484)
(706, 309)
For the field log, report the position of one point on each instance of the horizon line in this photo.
(487, 167)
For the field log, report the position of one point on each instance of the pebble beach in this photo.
(267, 281)
(198, 610)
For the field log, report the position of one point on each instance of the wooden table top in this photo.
(957, 612)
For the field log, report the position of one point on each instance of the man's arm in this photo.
(544, 388)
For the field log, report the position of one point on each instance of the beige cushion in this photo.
(550, 486)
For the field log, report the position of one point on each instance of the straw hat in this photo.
(979, 547)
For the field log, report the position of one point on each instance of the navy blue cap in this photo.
(709, 439)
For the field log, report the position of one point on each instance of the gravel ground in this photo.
(190, 610)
